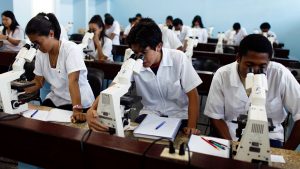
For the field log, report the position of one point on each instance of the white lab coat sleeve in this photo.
(215, 104)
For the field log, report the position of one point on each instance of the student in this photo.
(101, 44)
(138, 17)
(169, 22)
(12, 34)
(167, 82)
(61, 64)
(132, 22)
(112, 29)
(265, 30)
(198, 30)
(227, 98)
(183, 31)
(170, 39)
(235, 35)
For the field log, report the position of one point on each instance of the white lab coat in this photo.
(184, 34)
(18, 34)
(227, 97)
(106, 48)
(169, 38)
(116, 29)
(238, 37)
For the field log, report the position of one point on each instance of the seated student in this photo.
(169, 22)
(12, 34)
(112, 29)
(198, 30)
(227, 97)
(183, 31)
(101, 44)
(61, 64)
(132, 22)
(167, 82)
(138, 17)
(265, 30)
(235, 35)
(170, 39)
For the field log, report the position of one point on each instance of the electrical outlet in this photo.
(165, 153)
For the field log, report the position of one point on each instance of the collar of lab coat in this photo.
(166, 60)
(235, 81)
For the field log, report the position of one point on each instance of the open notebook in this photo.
(210, 145)
(155, 127)
(56, 115)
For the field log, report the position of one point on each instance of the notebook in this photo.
(55, 115)
(155, 127)
(199, 144)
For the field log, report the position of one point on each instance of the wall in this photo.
(283, 15)
(6, 5)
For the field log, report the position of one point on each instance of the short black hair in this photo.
(133, 19)
(109, 20)
(169, 18)
(145, 33)
(14, 22)
(256, 43)
(138, 15)
(177, 22)
(41, 25)
(265, 25)
(236, 26)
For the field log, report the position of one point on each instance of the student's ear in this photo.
(158, 47)
(51, 34)
(238, 58)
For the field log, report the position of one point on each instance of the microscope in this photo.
(84, 44)
(14, 81)
(219, 46)
(254, 145)
(230, 40)
(190, 47)
(110, 111)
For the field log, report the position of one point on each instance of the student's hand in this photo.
(2, 37)
(189, 131)
(78, 117)
(93, 121)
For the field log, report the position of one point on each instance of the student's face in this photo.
(178, 27)
(197, 24)
(168, 22)
(264, 30)
(255, 60)
(6, 21)
(93, 27)
(150, 56)
(45, 43)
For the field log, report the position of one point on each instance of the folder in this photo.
(199, 145)
(54, 115)
(155, 127)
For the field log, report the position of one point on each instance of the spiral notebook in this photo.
(155, 127)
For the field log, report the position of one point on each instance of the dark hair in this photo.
(96, 19)
(177, 22)
(138, 15)
(132, 19)
(109, 20)
(145, 33)
(107, 15)
(169, 18)
(41, 25)
(197, 18)
(14, 22)
(256, 43)
(265, 25)
(236, 26)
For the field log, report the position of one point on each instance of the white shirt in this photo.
(237, 37)
(106, 48)
(227, 98)
(200, 33)
(115, 28)
(18, 34)
(170, 39)
(69, 60)
(270, 34)
(165, 93)
(127, 29)
(184, 34)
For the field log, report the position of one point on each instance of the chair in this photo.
(95, 78)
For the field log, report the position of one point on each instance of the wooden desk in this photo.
(57, 146)
(7, 57)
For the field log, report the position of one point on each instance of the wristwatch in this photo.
(78, 107)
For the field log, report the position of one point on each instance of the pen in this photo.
(218, 143)
(162, 123)
(210, 143)
(34, 113)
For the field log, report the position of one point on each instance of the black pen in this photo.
(34, 113)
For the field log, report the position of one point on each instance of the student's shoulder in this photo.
(69, 45)
(275, 67)
(226, 70)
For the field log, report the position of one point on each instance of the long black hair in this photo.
(41, 25)
(197, 18)
(96, 19)
(14, 22)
